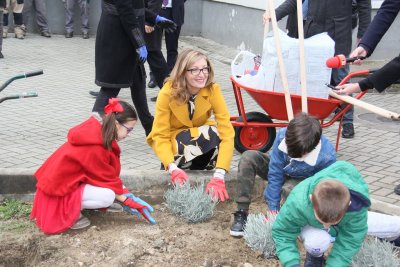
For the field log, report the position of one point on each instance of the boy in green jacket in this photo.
(330, 206)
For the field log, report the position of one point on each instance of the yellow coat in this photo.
(171, 118)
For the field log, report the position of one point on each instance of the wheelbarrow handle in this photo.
(33, 73)
(20, 76)
(21, 95)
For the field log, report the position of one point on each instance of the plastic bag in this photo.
(247, 70)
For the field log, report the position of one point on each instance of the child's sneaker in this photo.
(312, 261)
(239, 223)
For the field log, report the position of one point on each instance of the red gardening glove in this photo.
(139, 207)
(218, 189)
(179, 176)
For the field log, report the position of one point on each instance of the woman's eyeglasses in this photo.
(196, 71)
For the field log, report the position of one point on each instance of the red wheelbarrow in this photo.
(256, 130)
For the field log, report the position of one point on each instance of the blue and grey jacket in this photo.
(281, 165)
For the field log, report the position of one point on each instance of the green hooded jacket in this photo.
(298, 212)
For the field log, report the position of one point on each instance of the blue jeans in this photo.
(337, 76)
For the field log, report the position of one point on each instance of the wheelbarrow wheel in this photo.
(254, 138)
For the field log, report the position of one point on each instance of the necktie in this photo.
(191, 106)
(165, 2)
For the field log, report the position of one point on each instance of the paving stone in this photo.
(33, 128)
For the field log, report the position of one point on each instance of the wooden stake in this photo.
(303, 79)
(288, 101)
(266, 25)
(356, 102)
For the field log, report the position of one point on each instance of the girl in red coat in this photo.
(84, 173)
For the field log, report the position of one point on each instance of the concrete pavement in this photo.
(31, 129)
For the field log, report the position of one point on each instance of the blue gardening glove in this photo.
(142, 53)
(144, 210)
(133, 211)
(168, 25)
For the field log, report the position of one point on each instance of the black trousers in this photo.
(158, 66)
(171, 40)
(155, 58)
(139, 99)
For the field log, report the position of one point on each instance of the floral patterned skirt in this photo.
(200, 152)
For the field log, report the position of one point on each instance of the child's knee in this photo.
(248, 159)
(316, 241)
(109, 197)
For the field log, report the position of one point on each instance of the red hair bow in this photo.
(113, 106)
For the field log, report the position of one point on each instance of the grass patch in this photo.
(15, 226)
(14, 209)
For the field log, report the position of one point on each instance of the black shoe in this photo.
(94, 93)
(312, 261)
(85, 35)
(46, 34)
(348, 130)
(69, 35)
(396, 242)
(153, 99)
(1, 55)
(397, 189)
(151, 84)
(239, 223)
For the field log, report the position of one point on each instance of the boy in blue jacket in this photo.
(299, 151)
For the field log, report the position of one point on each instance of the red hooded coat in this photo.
(60, 180)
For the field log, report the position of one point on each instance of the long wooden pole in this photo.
(377, 110)
(303, 80)
(266, 23)
(288, 101)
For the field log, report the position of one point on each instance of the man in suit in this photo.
(155, 58)
(175, 11)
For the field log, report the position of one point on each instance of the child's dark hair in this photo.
(109, 128)
(302, 135)
(330, 200)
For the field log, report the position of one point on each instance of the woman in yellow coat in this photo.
(192, 128)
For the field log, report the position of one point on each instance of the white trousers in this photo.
(316, 241)
(97, 197)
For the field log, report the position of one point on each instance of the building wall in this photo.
(241, 26)
(235, 23)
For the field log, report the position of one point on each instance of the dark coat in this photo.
(2, 4)
(384, 77)
(389, 73)
(361, 16)
(332, 16)
(380, 24)
(119, 33)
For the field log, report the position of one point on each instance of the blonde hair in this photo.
(185, 60)
(330, 200)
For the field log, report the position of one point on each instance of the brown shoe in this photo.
(19, 33)
(5, 31)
